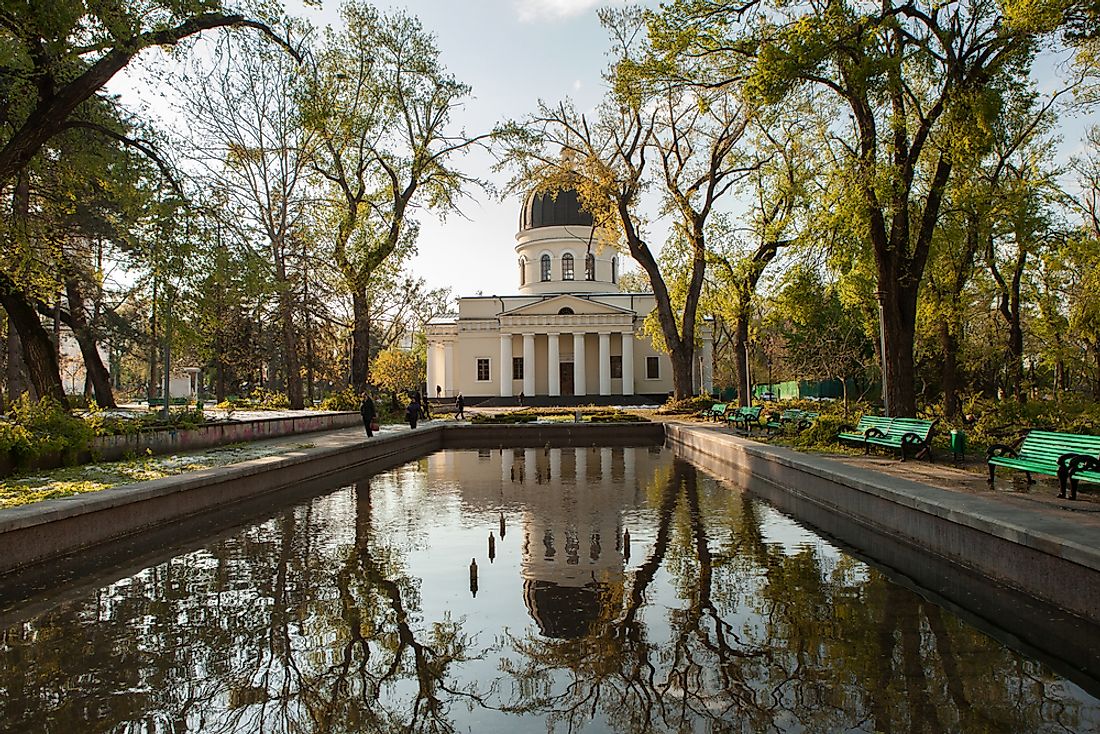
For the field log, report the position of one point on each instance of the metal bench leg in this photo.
(992, 469)
(1030, 481)
(1073, 488)
(1063, 480)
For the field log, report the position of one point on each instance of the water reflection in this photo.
(621, 591)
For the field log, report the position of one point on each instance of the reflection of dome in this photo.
(563, 612)
(553, 209)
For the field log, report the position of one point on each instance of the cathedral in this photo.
(569, 336)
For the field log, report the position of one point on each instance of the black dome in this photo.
(553, 209)
(562, 612)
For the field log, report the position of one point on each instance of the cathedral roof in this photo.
(553, 209)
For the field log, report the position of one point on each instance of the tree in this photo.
(919, 81)
(252, 144)
(824, 337)
(61, 54)
(692, 135)
(381, 103)
(397, 371)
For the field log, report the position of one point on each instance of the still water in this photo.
(561, 590)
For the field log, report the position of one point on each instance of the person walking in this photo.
(370, 415)
(412, 412)
(459, 403)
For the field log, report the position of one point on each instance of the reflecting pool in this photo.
(587, 590)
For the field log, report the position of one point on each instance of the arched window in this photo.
(545, 261)
(567, 267)
(565, 311)
(614, 270)
(523, 271)
(590, 267)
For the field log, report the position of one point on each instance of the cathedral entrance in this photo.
(566, 372)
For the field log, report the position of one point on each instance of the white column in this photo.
(708, 364)
(580, 459)
(628, 363)
(580, 386)
(605, 363)
(530, 465)
(449, 369)
(555, 465)
(553, 362)
(605, 466)
(505, 369)
(432, 378)
(528, 364)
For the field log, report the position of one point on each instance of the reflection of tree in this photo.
(267, 632)
(762, 637)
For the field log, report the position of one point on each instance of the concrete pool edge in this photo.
(1048, 558)
(39, 532)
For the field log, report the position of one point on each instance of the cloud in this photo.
(531, 11)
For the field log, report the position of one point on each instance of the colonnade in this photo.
(553, 361)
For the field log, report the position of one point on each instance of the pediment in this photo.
(580, 306)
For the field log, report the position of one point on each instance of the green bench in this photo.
(801, 419)
(893, 433)
(715, 412)
(744, 417)
(1071, 457)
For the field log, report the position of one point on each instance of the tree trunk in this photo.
(154, 359)
(741, 357)
(360, 342)
(899, 308)
(94, 368)
(39, 353)
(949, 345)
(1096, 381)
(18, 383)
(290, 350)
(683, 385)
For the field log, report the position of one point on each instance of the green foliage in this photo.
(687, 406)
(616, 416)
(1004, 421)
(47, 429)
(515, 416)
(346, 399)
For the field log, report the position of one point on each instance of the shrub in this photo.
(687, 406)
(346, 399)
(49, 430)
(516, 416)
(616, 416)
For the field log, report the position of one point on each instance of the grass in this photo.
(68, 481)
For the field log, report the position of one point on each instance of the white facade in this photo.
(568, 332)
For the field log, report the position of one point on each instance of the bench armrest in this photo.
(1073, 463)
(999, 449)
(873, 432)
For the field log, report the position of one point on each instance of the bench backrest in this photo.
(752, 413)
(718, 408)
(919, 426)
(880, 422)
(1049, 445)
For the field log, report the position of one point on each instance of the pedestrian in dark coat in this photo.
(412, 413)
(459, 403)
(366, 409)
